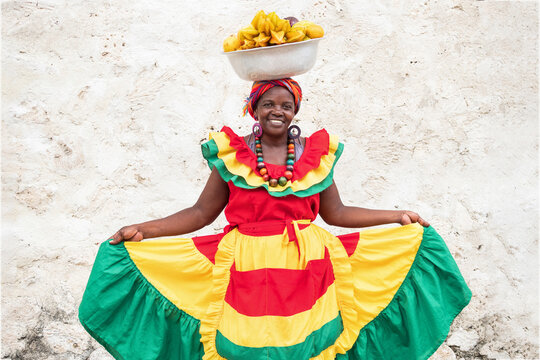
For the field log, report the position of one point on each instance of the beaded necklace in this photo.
(261, 166)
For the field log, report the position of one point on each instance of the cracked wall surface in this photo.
(105, 104)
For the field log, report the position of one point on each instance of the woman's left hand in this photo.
(409, 217)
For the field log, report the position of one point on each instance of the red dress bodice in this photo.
(251, 200)
(255, 205)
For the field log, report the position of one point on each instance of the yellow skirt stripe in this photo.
(177, 270)
(381, 261)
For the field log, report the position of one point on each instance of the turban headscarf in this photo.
(260, 87)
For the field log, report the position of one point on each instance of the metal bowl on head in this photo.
(275, 61)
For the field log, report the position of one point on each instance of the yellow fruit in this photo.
(274, 19)
(248, 33)
(260, 16)
(277, 37)
(270, 29)
(283, 25)
(231, 43)
(314, 31)
(261, 40)
(248, 44)
(266, 27)
(301, 25)
(294, 36)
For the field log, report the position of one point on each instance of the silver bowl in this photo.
(275, 61)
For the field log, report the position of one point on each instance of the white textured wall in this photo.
(105, 103)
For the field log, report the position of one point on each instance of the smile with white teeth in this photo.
(276, 122)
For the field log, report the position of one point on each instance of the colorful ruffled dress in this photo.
(273, 285)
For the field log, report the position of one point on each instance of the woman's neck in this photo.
(274, 142)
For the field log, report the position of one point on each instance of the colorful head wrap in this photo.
(260, 87)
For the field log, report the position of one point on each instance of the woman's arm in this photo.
(210, 204)
(335, 213)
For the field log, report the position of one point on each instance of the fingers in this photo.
(423, 222)
(137, 237)
(405, 219)
(126, 234)
(116, 238)
(413, 218)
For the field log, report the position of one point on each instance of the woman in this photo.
(273, 285)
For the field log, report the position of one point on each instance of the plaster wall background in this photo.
(105, 104)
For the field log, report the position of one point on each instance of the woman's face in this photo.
(275, 111)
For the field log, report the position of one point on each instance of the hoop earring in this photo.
(294, 132)
(257, 130)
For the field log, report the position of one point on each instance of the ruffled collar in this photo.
(236, 162)
(316, 146)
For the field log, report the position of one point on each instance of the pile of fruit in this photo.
(270, 29)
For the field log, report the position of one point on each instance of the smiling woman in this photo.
(273, 285)
(275, 111)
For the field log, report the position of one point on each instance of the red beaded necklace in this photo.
(261, 166)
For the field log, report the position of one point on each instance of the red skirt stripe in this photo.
(350, 242)
(208, 245)
(279, 292)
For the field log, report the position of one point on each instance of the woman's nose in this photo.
(277, 110)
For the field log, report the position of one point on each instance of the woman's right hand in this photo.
(127, 233)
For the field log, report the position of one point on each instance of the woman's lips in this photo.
(275, 122)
